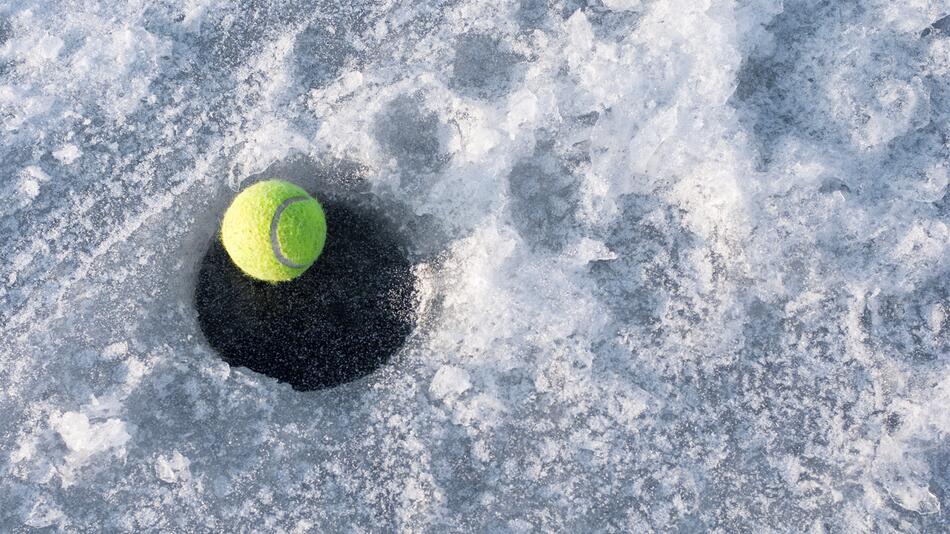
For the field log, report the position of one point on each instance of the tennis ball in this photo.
(274, 231)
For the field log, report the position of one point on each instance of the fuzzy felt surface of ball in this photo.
(274, 231)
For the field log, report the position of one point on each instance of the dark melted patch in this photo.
(338, 322)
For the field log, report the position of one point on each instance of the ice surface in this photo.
(683, 265)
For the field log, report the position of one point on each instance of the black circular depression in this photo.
(339, 321)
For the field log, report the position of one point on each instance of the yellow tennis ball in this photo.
(274, 231)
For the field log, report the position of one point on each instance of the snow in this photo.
(173, 469)
(67, 154)
(84, 440)
(682, 265)
(449, 381)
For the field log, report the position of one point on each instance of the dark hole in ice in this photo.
(340, 321)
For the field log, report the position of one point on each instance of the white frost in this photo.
(682, 264)
(449, 380)
(173, 469)
(84, 439)
(67, 153)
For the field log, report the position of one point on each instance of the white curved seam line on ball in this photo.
(274, 223)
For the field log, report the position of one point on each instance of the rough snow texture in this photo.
(684, 264)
